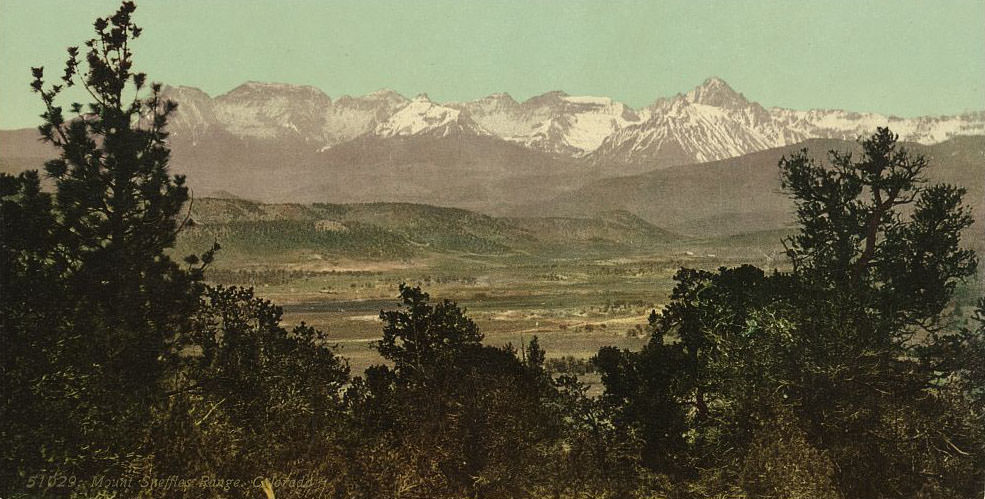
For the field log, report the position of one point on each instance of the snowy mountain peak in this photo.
(715, 92)
(421, 117)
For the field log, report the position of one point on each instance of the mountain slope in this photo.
(743, 194)
(23, 150)
(463, 169)
(248, 229)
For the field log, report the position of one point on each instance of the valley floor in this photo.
(574, 302)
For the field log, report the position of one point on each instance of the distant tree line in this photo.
(843, 377)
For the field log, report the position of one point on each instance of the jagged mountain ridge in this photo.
(708, 123)
(554, 122)
(275, 111)
(422, 117)
(714, 122)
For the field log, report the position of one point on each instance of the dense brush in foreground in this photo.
(125, 375)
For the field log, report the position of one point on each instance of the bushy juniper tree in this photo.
(849, 358)
(452, 417)
(877, 258)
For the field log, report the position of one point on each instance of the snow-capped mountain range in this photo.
(708, 123)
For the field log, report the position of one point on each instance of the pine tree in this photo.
(89, 353)
(877, 259)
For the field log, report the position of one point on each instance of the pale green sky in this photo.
(897, 57)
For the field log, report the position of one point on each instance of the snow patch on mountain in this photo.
(423, 117)
(554, 122)
(350, 117)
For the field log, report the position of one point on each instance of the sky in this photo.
(901, 57)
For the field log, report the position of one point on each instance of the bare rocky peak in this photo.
(195, 114)
(547, 99)
(386, 98)
(715, 92)
(273, 110)
(185, 93)
(385, 94)
(261, 90)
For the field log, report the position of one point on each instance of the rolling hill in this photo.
(273, 232)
